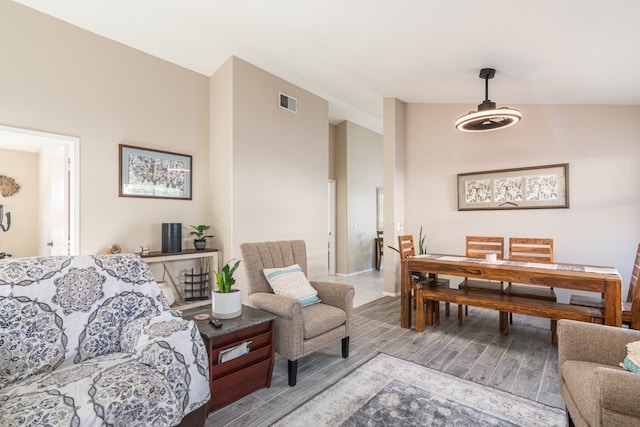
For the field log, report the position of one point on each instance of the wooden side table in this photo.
(232, 379)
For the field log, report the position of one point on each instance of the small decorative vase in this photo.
(226, 305)
(199, 244)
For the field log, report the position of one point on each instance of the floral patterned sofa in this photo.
(90, 340)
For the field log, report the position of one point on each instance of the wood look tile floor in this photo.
(523, 363)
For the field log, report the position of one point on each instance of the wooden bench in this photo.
(504, 303)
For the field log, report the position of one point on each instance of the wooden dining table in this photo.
(603, 280)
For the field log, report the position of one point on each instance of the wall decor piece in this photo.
(8, 216)
(8, 186)
(536, 187)
(154, 173)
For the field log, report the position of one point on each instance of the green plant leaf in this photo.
(225, 279)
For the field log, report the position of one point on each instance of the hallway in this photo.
(368, 285)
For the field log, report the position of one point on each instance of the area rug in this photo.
(387, 391)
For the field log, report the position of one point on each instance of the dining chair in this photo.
(532, 250)
(627, 306)
(479, 247)
(406, 248)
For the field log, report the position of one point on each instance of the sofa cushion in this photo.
(320, 318)
(121, 391)
(90, 340)
(291, 282)
(32, 339)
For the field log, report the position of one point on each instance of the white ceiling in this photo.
(356, 52)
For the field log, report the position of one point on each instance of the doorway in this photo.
(57, 188)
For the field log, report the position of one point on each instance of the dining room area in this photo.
(454, 184)
(524, 282)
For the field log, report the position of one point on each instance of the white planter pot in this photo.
(226, 306)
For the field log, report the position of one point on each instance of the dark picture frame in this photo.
(156, 174)
(535, 187)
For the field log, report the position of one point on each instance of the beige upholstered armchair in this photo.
(299, 330)
(596, 390)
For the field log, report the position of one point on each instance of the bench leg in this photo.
(447, 309)
(554, 331)
(436, 309)
(420, 311)
(504, 323)
(459, 315)
(430, 315)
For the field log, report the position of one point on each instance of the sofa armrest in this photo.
(338, 295)
(591, 342)
(173, 347)
(619, 391)
(284, 307)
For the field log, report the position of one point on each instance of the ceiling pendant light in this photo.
(488, 117)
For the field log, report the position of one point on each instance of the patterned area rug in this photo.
(387, 391)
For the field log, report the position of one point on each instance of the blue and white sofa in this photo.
(90, 340)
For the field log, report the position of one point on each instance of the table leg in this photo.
(612, 306)
(405, 296)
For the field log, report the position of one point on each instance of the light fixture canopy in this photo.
(488, 117)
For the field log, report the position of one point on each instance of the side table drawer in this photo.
(221, 369)
(257, 342)
(239, 384)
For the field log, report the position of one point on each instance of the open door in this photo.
(59, 234)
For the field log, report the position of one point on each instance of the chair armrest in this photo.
(619, 391)
(173, 347)
(591, 342)
(338, 295)
(285, 307)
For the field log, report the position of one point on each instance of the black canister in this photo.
(171, 237)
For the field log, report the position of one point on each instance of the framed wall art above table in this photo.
(536, 187)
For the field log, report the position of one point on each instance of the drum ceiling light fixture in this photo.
(488, 117)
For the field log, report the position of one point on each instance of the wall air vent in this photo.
(288, 103)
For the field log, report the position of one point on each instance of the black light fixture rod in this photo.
(486, 89)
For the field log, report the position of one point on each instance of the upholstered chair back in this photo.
(258, 256)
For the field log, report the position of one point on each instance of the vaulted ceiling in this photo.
(356, 52)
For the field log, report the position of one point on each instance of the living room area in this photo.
(260, 172)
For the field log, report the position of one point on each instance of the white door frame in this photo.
(332, 227)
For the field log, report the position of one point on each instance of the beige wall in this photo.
(359, 167)
(22, 237)
(60, 79)
(276, 171)
(600, 143)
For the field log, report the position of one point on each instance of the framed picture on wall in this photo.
(536, 187)
(154, 173)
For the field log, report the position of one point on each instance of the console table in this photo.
(237, 377)
(210, 256)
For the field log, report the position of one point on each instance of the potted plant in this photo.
(226, 303)
(200, 242)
